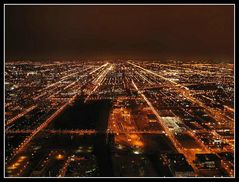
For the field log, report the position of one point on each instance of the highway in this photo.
(12, 120)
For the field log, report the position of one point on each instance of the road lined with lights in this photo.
(174, 141)
(11, 121)
(99, 80)
(186, 93)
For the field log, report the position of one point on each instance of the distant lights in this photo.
(136, 152)
(59, 157)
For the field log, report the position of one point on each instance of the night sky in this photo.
(62, 32)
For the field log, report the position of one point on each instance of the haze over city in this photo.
(111, 32)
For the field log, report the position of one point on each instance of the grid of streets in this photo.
(119, 118)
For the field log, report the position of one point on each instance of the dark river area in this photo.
(90, 115)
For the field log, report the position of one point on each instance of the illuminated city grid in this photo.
(119, 118)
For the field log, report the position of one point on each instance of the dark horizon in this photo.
(119, 32)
